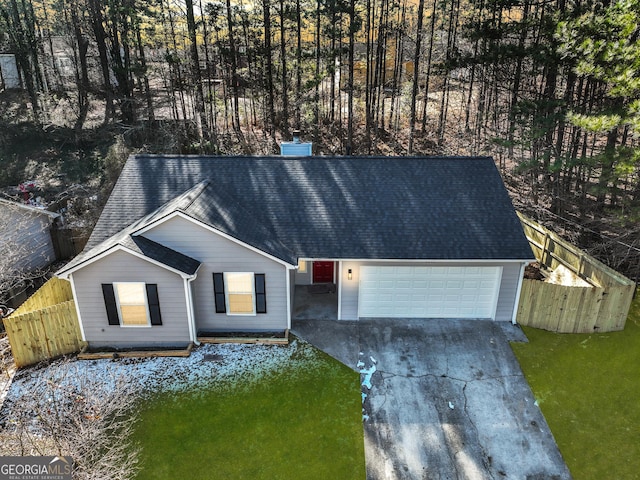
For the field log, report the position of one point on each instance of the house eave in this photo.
(421, 260)
(31, 209)
(185, 216)
(116, 248)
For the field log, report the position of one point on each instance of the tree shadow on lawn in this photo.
(303, 421)
(587, 386)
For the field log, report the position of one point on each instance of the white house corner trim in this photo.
(289, 296)
(516, 302)
(188, 297)
(75, 302)
(340, 282)
(496, 294)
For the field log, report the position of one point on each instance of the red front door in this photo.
(322, 272)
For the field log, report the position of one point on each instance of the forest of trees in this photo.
(550, 88)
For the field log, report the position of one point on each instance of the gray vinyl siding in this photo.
(292, 284)
(506, 295)
(124, 267)
(304, 278)
(349, 291)
(219, 254)
(508, 291)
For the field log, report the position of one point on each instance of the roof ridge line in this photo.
(199, 188)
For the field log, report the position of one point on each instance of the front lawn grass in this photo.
(297, 424)
(588, 387)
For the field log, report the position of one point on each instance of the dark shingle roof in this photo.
(144, 246)
(329, 207)
(162, 254)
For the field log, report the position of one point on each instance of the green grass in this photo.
(588, 387)
(298, 423)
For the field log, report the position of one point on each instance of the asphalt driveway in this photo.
(442, 399)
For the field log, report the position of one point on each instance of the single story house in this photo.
(189, 244)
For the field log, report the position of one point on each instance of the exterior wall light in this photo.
(350, 274)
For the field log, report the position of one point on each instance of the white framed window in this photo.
(240, 293)
(131, 299)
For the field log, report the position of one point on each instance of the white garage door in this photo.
(428, 292)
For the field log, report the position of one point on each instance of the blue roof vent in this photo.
(296, 148)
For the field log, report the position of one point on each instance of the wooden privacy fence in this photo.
(46, 326)
(44, 334)
(67, 242)
(602, 306)
(54, 291)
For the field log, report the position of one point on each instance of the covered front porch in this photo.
(318, 301)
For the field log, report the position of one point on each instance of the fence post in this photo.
(545, 250)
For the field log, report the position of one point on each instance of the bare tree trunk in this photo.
(515, 86)
(82, 72)
(145, 77)
(332, 70)
(119, 56)
(285, 80)
(398, 63)
(451, 45)
(352, 34)
(318, 80)
(416, 77)
(368, 77)
(210, 99)
(425, 103)
(234, 69)
(298, 65)
(201, 121)
(25, 51)
(97, 24)
(271, 114)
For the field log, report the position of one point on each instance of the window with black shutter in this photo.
(110, 304)
(132, 304)
(218, 290)
(261, 293)
(240, 293)
(154, 304)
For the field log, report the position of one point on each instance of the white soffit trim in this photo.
(432, 260)
(120, 248)
(189, 218)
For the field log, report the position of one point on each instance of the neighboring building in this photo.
(190, 244)
(9, 76)
(25, 241)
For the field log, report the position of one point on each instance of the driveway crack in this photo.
(486, 458)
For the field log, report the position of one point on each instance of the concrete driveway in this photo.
(442, 399)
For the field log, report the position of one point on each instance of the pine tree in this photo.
(604, 46)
